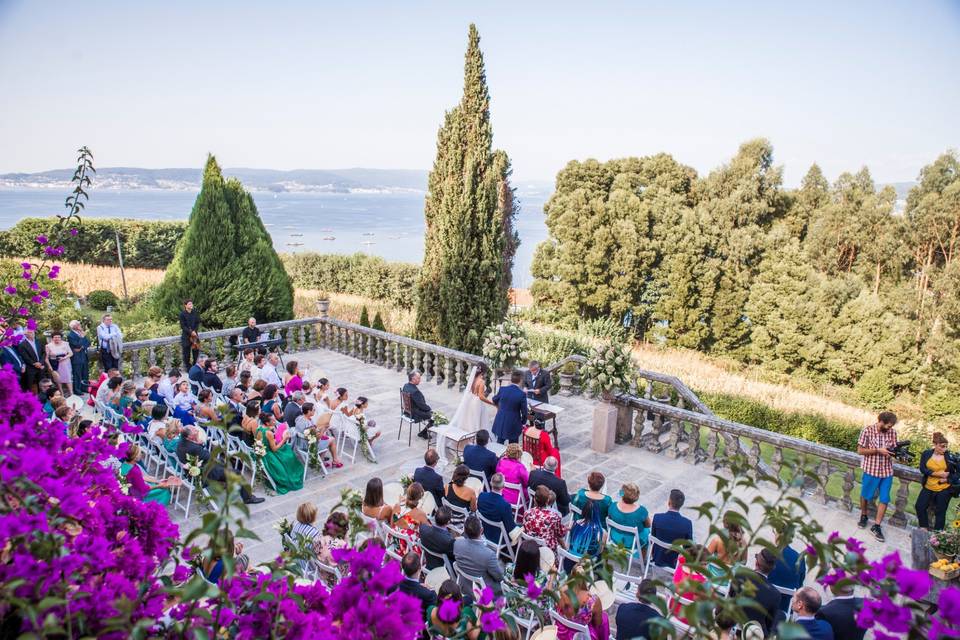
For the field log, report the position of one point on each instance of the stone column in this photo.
(604, 427)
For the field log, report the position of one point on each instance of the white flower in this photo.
(194, 471)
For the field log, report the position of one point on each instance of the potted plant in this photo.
(567, 373)
(505, 345)
(323, 303)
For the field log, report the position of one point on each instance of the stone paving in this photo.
(655, 474)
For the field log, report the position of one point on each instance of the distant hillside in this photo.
(298, 180)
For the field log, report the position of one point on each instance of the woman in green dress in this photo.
(629, 513)
(280, 461)
(147, 488)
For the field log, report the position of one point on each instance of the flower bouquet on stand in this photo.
(505, 345)
(608, 370)
(440, 419)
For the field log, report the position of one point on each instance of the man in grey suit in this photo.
(537, 383)
(475, 558)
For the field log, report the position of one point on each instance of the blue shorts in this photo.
(872, 484)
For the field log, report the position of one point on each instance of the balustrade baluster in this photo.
(639, 426)
(151, 357)
(754, 455)
(776, 462)
(899, 517)
(820, 491)
(849, 479)
(649, 393)
(674, 437)
(713, 449)
(695, 452)
(427, 366)
(302, 338)
(135, 362)
(448, 375)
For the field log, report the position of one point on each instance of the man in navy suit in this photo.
(841, 614)
(411, 583)
(511, 404)
(495, 508)
(428, 477)
(633, 618)
(806, 604)
(790, 571)
(668, 527)
(9, 355)
(478, 457)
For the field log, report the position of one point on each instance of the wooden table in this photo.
(546, 412)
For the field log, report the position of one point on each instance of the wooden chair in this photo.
(406, 417)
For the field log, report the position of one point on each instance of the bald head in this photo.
(806, 601)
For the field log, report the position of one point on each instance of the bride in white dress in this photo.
(474, 412)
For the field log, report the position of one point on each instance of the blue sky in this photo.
(326, 85)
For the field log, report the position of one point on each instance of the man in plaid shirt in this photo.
(877, 464)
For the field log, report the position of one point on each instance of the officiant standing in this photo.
(511, 410)
(537, 383)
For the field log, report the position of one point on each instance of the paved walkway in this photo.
(655, 474)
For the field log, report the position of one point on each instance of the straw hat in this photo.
(547, 559)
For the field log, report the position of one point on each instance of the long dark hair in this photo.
(528, 560)
(373, 497)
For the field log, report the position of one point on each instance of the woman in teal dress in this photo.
(601, 501)
(280, 461)
(147, 488)
(628, 513)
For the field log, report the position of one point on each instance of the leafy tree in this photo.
(470, 240)
(364, 317)
(225, 262)
(813, 195)
(378, 322)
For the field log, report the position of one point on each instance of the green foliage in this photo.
(378, 322)
(552, 345)
(364, 317)
(874, 388)
(100, 299)
(226, 262)
(148, 244)
(470, 208)
(359, 274)
(809, 426)
(943, 402)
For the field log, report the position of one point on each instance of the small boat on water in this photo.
(329, 238)
(296, 235)
(369, 233)
(368, 242)
(294, 244)
(326, 229)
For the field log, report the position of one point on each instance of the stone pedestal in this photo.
(604, 427)
(624, 424)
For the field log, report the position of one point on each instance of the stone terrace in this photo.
(654, 473)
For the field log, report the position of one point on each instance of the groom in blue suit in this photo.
(511, 404)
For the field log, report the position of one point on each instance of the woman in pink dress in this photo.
(58, 359)
(294, 379)
(584, 608)
(513, 471)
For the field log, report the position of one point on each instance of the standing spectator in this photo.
(478, 457)
(877, 464)
(492, 506)
(633, 619)
(514, 472)
(477, 559)
(791, 568)
(419, 408)
(58, 354)
(806, 604)
(32, 354)
(109, 343)
(841, 614)
(542, 522)
(548, 477)
(428, 477)
(9, 356)
(669, 527)
(936, 484)
(80, 362)
(189, 326)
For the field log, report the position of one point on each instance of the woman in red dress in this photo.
(538, 444)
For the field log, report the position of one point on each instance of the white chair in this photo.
(347, 429)
(564, 554)
(625, 587)
(186, 486)
(653, 541)
(480, 475)
(528, 624)
(521, 503)
(373, 525)
(633, 551)
(392, 540)
(316, 569)
(476, 582)
(459, 513)
(502, 544)
(526, 536)
(583, 632)
(439, 556)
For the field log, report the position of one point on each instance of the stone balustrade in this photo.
(660, 414)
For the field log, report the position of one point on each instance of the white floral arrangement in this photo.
(440, 419)
(259, 449)
(192, 466)
(505, 344)
(608, 370)
(123, 482)
(364, 439)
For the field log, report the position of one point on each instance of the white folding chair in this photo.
(439, 556)
(316, 569)
(583, 632)
(347, 429)
(565, 554)
(482, 477)
(373, 525)
(459, 513)
(526, 536)
(521, 503)
(392, 539)
(503, 542)
(528, 624)
(476, 582)
(653, 541)
(633, 551)
(625, 587)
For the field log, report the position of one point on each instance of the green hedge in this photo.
(146, 243)
(359, 274)
(808, 426)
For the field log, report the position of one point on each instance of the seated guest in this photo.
(294, 408)
(235, 406)
(320, 393)
(53, 393)
(551, 480)
(419, 409)
(147, 488)
(213, 567)
(428, 477)
(791, 568)
(437, 538)
(158, 420)
(633, 619)
(518, 574)
(806, 605)
(594, 493)
(247, 362)
(841, 613)
(64, 413)
(184, 400)
(293, 380)
(734, 548)
(171, 435)
(514, 471)
(271, 402)
(251, 332)
(583, 608)
(210, 375)
(408, 516)
(304, 526)
(166, 388)
(128, 395)
(259, 364)
(586, 534)
(725, 626)
(338, 402)
(543, 522)
(142, 397)
(682, 576)
(669, 527)
(152, 383)
(475, 558)
(538, 444)
(492, 506)
(766, 596)
(460, 495)
(373, 505)
(195, 373)
(325, 441)
(269, 371)
(478, 458)
(230, 381)
(334, 537)
(359, 407)
(411, 582)
(250, 422)
(204, 409)
(462, 624)
(245, 382)
(109, 390)
(281, 463)
(256, 392)
(190, 446)
(628, 513)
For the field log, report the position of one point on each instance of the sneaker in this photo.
(863, 521)
(877, 533)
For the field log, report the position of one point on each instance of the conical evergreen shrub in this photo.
(364, 317)
(225, 261)
(378, 322)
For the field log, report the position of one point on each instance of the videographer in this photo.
(936, 467)
(874, 445)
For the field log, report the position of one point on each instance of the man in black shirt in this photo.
(251, 333)
(210, 377)
(189, 323)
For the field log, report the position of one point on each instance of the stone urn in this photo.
(604, 433)
(323, 307)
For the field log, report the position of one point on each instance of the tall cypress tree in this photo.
(225, 261)
(470, 240)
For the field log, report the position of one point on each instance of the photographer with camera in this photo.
(875, 444)
(937, 465)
